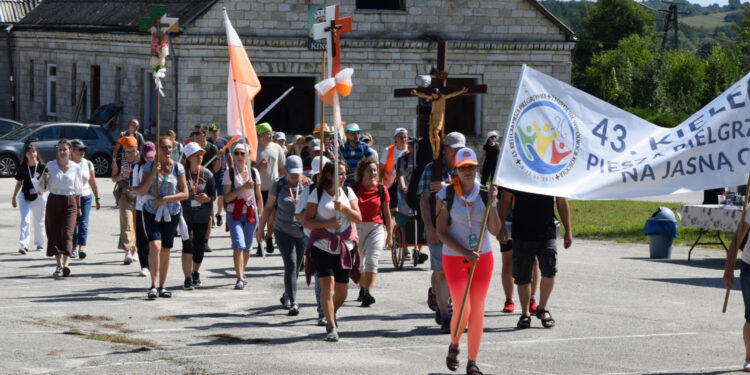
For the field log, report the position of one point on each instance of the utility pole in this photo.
(671, 21)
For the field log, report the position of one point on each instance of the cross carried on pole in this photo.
(330, 30)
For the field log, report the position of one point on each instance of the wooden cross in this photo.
(158, 23)
(330, 30)
(439, 87)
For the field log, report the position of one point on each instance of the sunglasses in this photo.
(239, 153)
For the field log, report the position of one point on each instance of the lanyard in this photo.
(291, 194)
(195, 184)
(469, 215)
(31, 176)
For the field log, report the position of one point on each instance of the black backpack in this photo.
(450, 195)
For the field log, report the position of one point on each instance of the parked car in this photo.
(106, 115)
(45, 137)
(8, 125)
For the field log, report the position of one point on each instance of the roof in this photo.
(96, 16)
(11, 11)
(570, 35)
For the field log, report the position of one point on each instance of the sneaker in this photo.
(58, 272)
(81, 255)
(23, 250)
(269, 245)
(322, 321)
(532, 306)
(445, 327)
(39, 248)
(145, 272)
(422, 257)
(218, 220)
(361, 294)
(133, 255)
(293, 310)
(331, 334)
(240, 284)
(74, 255)
(128, 259)
(509, 306)
(66, 271)
(285, 302)
(367, 299)
(152, 293)
(431, 300)
(188, 285)
(206, 248)
(196, 278)
(259, 252)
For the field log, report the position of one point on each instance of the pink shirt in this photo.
(239, 181)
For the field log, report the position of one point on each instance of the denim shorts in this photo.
(242, 233)
(745, 284)
(163, 231)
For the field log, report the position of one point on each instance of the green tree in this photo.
(681, 83)
(722, 69)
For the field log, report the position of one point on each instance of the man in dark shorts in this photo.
(225, 158)
(534, 234)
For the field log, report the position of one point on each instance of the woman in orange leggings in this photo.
(462, 207)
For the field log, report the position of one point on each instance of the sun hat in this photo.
(191, 148)
(293, 164)
(149, 149)
(466, 156)
(263, 128)
(455, 140)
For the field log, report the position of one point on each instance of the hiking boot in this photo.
(269, 245)
(509, 306)
(431, 300)
(188, 285)
(218, 220)
(532, 306)
(367, 299)
(196, 278)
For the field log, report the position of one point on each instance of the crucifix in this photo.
(438, 92)
(330, 30)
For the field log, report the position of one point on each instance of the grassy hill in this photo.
(709, 21)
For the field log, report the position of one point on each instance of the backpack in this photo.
(450, 195)
(320, 192)
(231, 183)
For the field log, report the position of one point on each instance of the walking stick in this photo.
(473, 266)
(737, 240)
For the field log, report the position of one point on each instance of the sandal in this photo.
(294, 310)
(473, 369)
(152, 293)
(547, 322)
(524, 322)
(452, 363)
(285, 302)
(164, 293)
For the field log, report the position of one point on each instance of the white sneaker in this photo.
(145, 272)
(128, 259)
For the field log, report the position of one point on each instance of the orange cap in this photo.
(128, 141)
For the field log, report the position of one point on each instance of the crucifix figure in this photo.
(330, 30)
(439, 92)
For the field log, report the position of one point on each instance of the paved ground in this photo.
(617, 311)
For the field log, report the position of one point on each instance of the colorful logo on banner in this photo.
(545, 137)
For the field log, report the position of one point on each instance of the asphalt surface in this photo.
(617, 312)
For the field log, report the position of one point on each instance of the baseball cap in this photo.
(364, 138)
(149, 149)
(213, 127)
(78, 144)
(263, 128)
(316, 164)
(399, 131)
(466, 156)
(239, 146)
(492, 134)
(353, 127)
(279, 135)
(455, 140)
(315, 144)
(325, 128)
(191, 148)
(128, 141)
(293, 164)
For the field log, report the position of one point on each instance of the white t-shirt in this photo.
(137, 178)
(87, 169)
(326, 212)
(746, 251)
(396, 154)
(276, 158)
(64, 183)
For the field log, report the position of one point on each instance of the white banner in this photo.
(563, 142)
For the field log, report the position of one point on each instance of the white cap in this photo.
(191, 148)
(279, 135)
(239, 146)
(466, 156)
(316, 164)
(399, 131)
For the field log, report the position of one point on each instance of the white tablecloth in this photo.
(711, 217)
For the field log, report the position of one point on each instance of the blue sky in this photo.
(707, 2)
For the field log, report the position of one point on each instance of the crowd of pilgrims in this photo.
(288, 200)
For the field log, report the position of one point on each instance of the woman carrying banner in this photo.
(332, 250)
(62, 178)
(32, 200)
(461, 211)
(243, 199)
(161, 215)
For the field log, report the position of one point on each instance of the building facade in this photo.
(488, 41)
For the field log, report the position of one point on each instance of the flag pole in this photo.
(737, 240)
(322, 116)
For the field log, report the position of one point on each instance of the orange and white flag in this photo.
(242, 87)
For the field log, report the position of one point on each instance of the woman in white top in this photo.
(141, 240)
(331, 227)
(62, 178)
(31, 200)
(89, 185)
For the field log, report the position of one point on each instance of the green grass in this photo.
(622, 221)
(710, 21)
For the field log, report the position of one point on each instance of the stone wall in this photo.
(5, 88)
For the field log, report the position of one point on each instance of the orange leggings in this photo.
(457, 275)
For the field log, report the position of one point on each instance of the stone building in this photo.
(96, 43)
(11, 11)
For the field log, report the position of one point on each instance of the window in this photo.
(50, 133)
(95, 87)
(463, 113)
(381, 4)
(73, 132)
(296, 114)
(51, 89)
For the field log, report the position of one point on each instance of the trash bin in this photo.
(661, 228)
